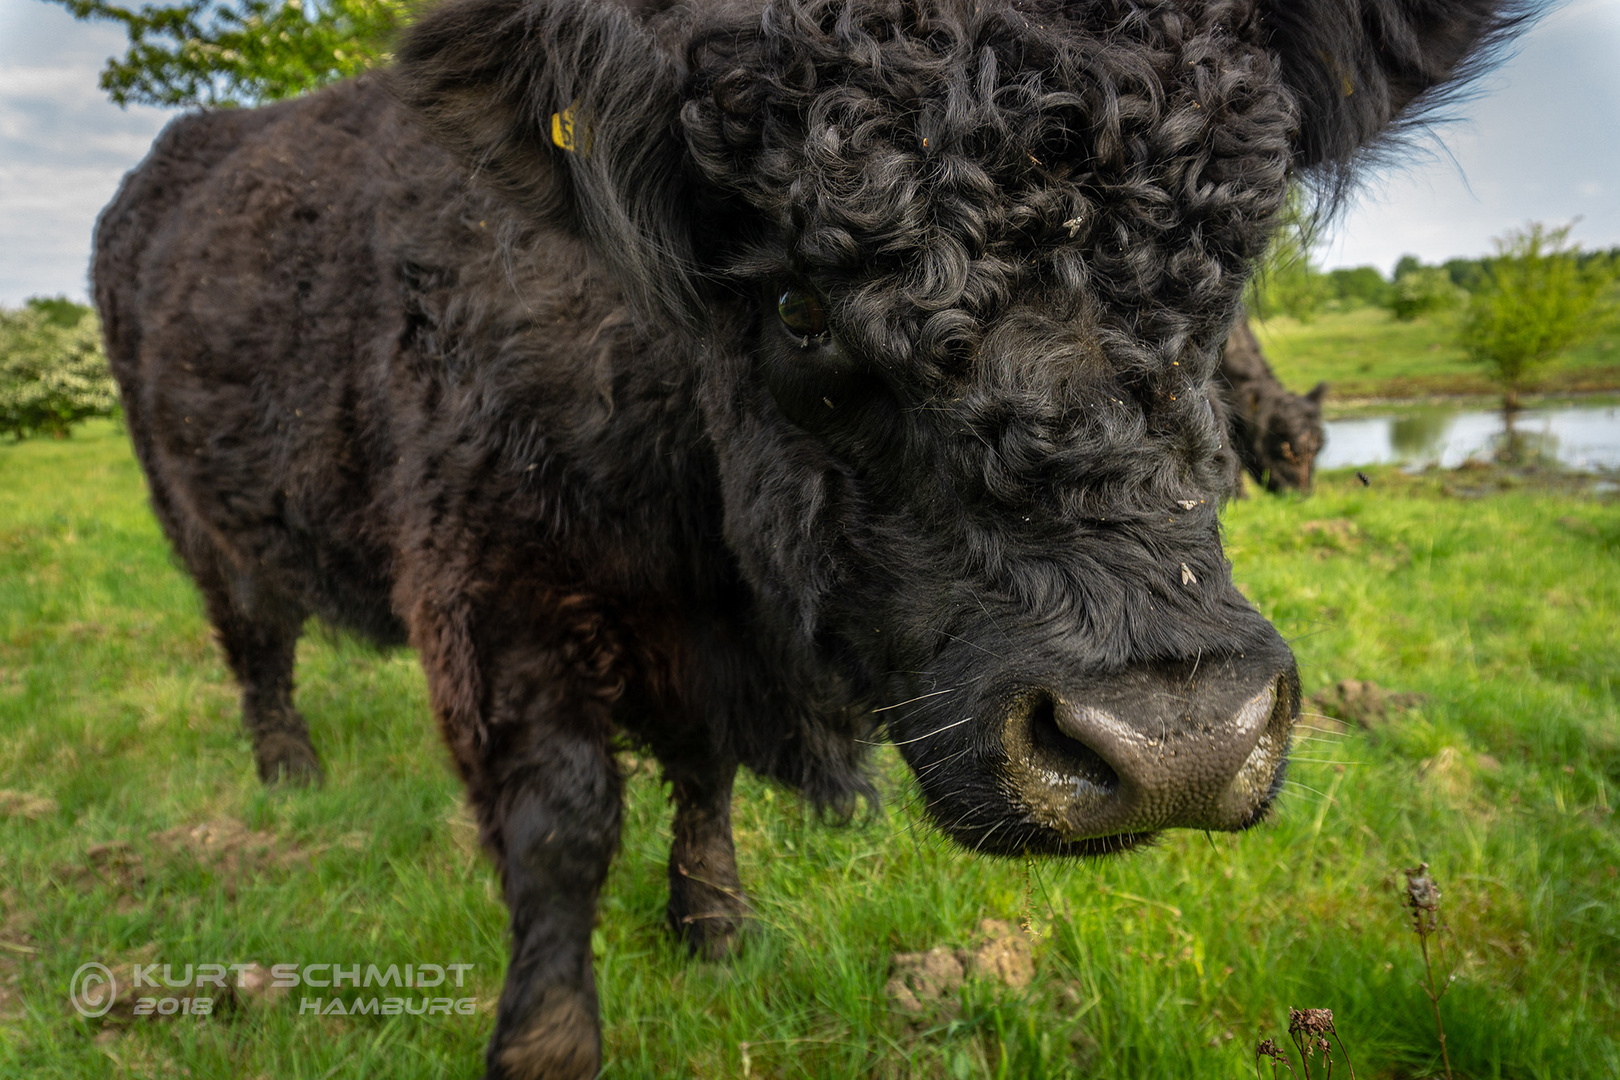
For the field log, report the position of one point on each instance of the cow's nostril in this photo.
(1062, 753)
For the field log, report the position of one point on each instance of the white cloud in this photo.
(63, 146)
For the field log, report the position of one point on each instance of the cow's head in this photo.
(958, 271)
(1287, 436)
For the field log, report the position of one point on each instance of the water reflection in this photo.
(1578, 436)
(1520, 447)
(1419, 434)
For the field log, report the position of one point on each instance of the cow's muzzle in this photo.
(1152, 747)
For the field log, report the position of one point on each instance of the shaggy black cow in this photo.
(1275, 434)
(743, 368)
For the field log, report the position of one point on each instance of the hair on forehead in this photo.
(934, 165)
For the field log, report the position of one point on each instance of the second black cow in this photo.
(1274, 435)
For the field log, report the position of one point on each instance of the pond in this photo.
(1579, 436)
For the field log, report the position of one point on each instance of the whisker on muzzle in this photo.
(925, 735)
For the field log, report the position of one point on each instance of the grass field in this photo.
(118, 724)
(1368, 353)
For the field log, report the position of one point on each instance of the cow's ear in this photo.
(568, 108)
(1359, 68)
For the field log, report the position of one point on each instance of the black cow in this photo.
(1274, 434)
(715, 374)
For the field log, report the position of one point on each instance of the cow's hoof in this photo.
(285, 758)
(712, 935)
(559, 1041)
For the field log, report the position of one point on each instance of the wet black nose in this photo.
(1153, 747)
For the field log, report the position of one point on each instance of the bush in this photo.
(1423, 290)
(52, 376)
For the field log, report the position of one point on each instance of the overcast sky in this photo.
(1542, 141)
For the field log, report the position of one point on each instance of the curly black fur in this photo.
(534, 408)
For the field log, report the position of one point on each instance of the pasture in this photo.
(1494, 597)
(1368, 353)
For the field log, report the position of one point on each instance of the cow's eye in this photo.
(802, 314)
(816, 384)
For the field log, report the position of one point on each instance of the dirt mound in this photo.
(225, 846)
(114, 864)
(24, 805)
(922, 980)
(1364, 704)
(1003, 955)
(230, 849)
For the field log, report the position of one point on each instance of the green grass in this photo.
(1369, 353)
(1167, 963)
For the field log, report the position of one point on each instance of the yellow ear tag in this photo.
(564, 134)
(562, 129)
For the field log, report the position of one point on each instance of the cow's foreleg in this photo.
(707, 908)
(558, 822)
(529, 724)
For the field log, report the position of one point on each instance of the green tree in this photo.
(1465, 273)
(241, 52)
(1361, 286)
(1537, 298)
(1406, 265)
(58, 310)
(51, 376)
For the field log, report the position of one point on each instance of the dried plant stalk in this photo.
(1423, 899)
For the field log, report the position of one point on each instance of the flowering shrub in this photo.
(52, 372)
